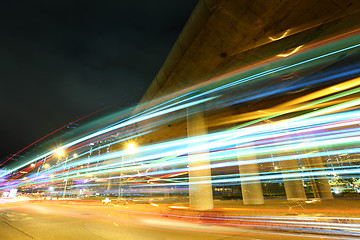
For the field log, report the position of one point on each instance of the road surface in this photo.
(47, 220)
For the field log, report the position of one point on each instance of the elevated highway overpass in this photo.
(223, 39)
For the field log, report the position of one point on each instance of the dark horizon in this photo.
(62, 60)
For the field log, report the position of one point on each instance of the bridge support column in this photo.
(200, 187)
(293, 186)
(252, 192)
(321, 184)
(108, 185)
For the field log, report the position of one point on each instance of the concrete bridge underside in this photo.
(225, 35)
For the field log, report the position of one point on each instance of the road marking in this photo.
(116, 224)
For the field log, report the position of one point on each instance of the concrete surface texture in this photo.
(223, 35)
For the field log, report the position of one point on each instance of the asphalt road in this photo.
(49, 220)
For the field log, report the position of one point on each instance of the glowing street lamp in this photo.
(59, 152)
(131, 147)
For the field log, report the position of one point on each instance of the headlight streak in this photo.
(231, 155)
(156, 156)
(234, 154)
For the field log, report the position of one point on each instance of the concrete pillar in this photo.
(313, 183)
(293, 186)
(108, 185)
(252, 192)
(200, 194)
(321, 183)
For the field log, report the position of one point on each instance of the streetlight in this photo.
(131, 148)
(60, 152)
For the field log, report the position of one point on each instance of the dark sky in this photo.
(63, 59)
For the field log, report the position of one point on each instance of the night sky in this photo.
(63, 59)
